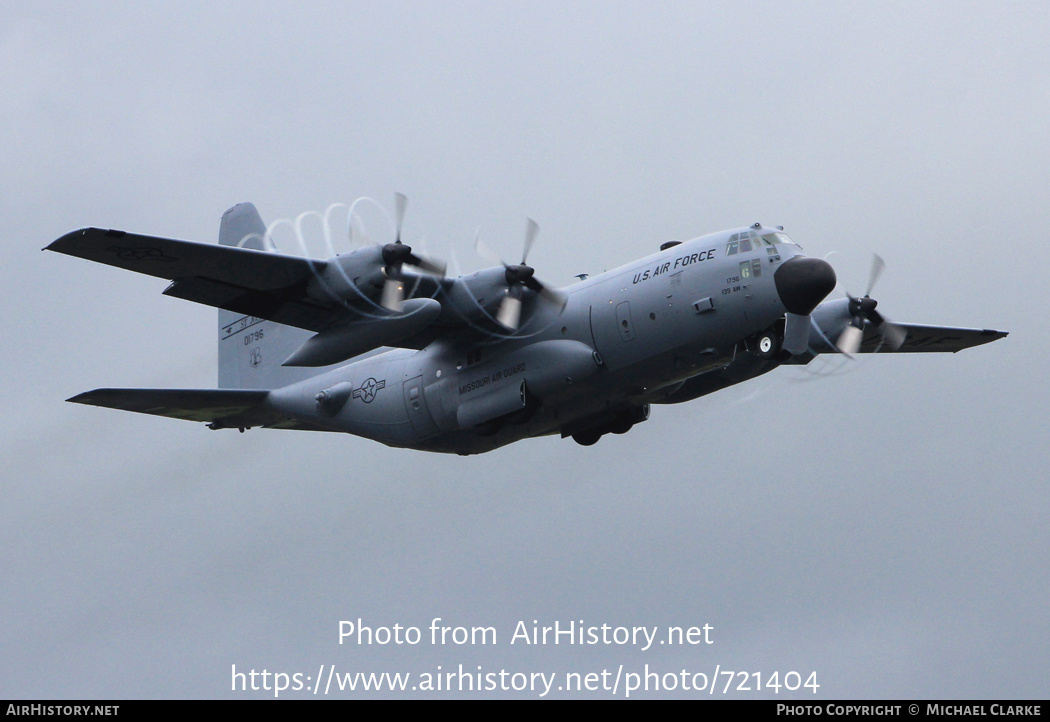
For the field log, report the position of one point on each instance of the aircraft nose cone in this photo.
(803, 282)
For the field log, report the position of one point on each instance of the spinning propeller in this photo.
(861, 309)
(519, 277)
(397, 254)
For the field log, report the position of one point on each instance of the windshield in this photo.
(747, 241)
(777, 238)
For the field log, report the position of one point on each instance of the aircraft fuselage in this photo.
(626, 338)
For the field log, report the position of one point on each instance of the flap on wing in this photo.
(930, 339)
(290, 306)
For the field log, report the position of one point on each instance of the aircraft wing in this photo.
(930, 339)
(243, 280)
(266, 285)
(221, 408)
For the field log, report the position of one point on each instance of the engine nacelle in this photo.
(356, 337)
(350, 277)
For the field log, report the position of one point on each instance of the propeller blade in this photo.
(893, 334)
(400, 203)
(877, 267)
(863, 309)
(849, 340)
(532, 229)
(397, 253)
(549, 294)
(357, 234)
(796, 334)
(485, 252)
(519, 276)
(509, 314)
(393, 295)
(433, 267)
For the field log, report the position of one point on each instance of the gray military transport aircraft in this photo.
(411, 358)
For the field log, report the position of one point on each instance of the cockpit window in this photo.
(741, 243)
(778, 238)
(745, 241)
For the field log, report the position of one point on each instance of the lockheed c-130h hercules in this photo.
(380, 343)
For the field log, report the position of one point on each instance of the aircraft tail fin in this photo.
(252, 349)
(243, 226)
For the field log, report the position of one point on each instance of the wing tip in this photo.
(82, 398)
(58, 245)
(985, 335)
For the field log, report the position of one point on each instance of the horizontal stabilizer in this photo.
(221, 408)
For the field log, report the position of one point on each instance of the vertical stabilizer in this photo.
(243, 226)
(251, 349)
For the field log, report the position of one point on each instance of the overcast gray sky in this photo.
(882, 523)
